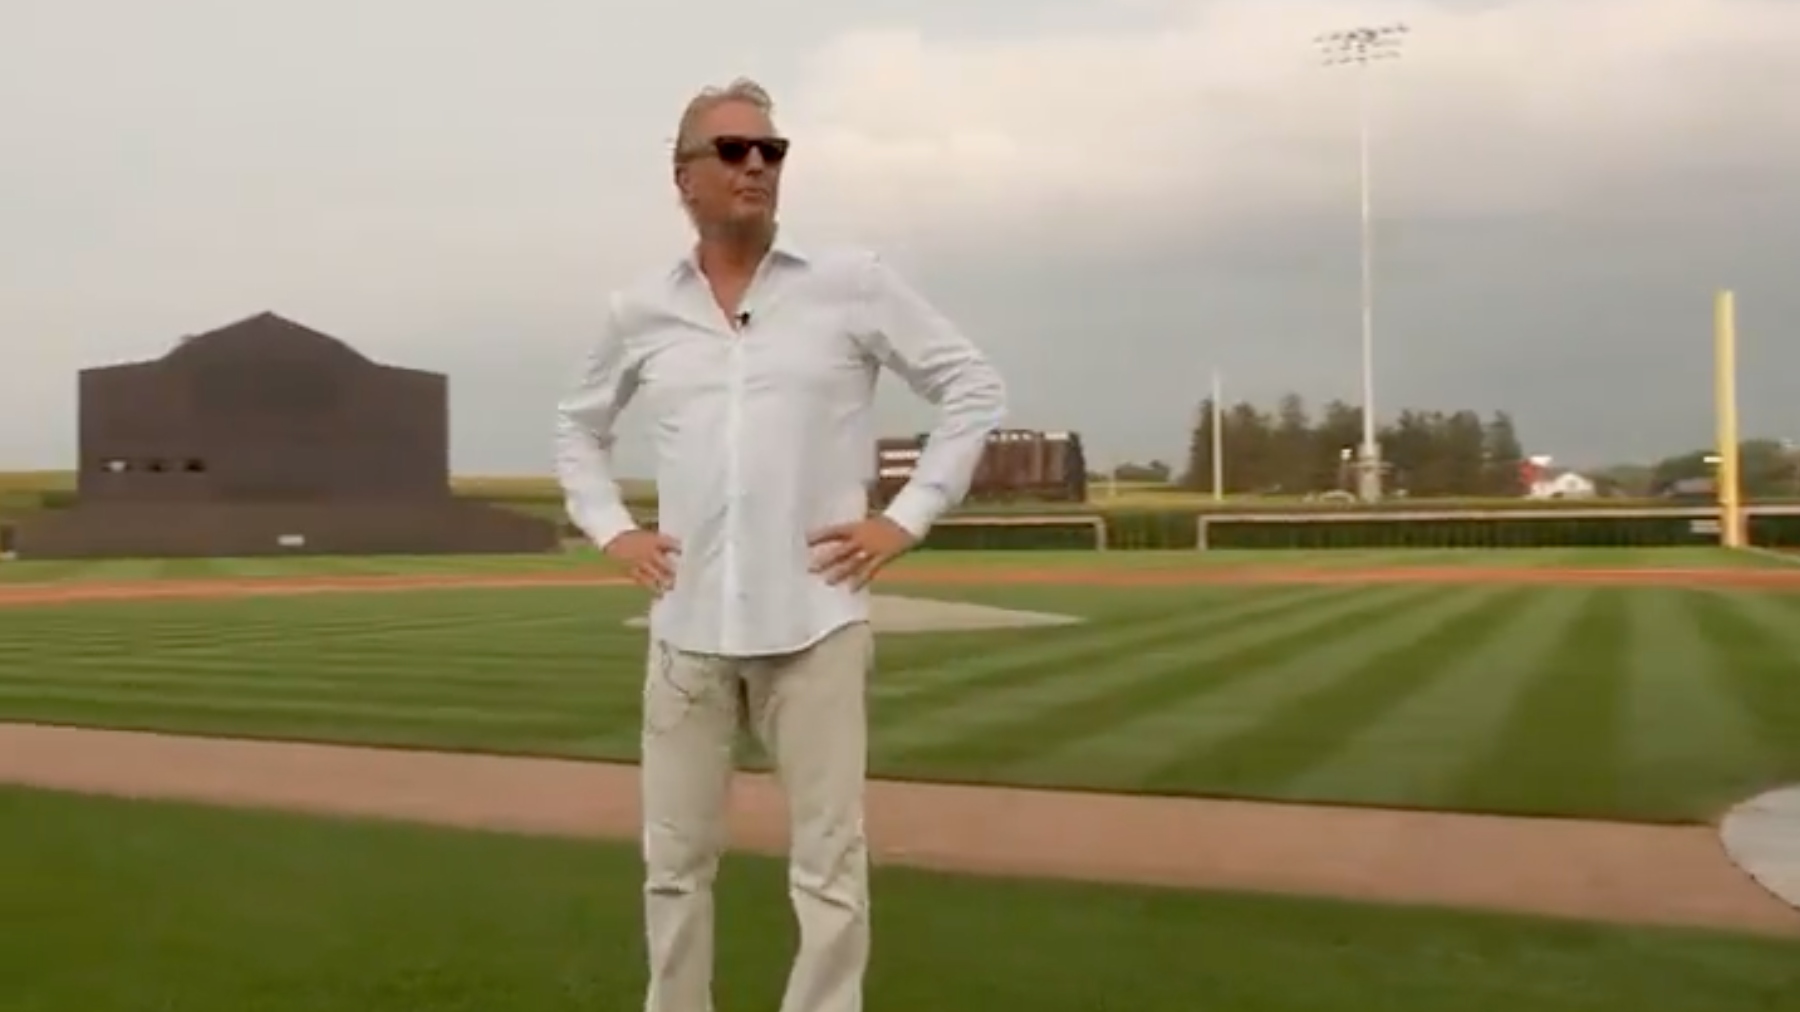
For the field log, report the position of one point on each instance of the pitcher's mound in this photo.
(1763, 836)
(893, 614)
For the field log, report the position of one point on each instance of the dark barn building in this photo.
(267, 438)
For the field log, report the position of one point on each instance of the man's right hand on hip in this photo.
(648, 556)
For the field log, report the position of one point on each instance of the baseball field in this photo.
(1446, 780)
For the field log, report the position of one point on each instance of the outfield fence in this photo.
(1467, 524)
(1597, 527)
(1775, 526)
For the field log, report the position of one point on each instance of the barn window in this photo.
(194, 465)
(115, 465)
(156, 467)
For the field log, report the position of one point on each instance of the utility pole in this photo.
(1357, 48)
(1218, 441)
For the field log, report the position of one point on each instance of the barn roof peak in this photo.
(264, 326)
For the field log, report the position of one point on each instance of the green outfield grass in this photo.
(134, 906)
(1640, 703)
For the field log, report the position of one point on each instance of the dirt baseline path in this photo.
(1595, 871)
(77, 591)
(1589, 870)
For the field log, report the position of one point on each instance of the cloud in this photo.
(1220, 113)
(1114, 196)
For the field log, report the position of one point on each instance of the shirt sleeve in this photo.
(937, 362)
(586, 419)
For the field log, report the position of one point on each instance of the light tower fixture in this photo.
(1358, 47)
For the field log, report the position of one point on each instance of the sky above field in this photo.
(1113, 197)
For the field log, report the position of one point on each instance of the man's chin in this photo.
(750, 222)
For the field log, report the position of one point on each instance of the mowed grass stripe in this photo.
(455, 644)
(379, 565)
(1355, 688)
(1560, 749)
(263, 704)
(422, 675)
(472, 605)
(276, 567)
(427, 662)
(388, 565)
(1689, 732)
(463, 669)
(581, 651)
(43, 572)
(1005, 688)
(914, 693)
(544, 646)
(61, 571)
(404, 728)
(571, 655)
(149, 634)
(108, 630)
(1223, 707)
(1490, 558)
(316, 612)
(1394, 760)
(473, 637)
(298, 681)
(989, 731)
(1755, 640)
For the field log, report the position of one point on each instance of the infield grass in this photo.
(122, 906)
(1633, 703)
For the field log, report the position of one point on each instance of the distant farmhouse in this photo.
(1562, 485)
(1542, 480)
(265, 437)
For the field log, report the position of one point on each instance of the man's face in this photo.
(730, 172)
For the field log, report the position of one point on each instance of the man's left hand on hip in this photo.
(856, 551)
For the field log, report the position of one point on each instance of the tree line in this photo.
(1293, 450)
(1767, 469)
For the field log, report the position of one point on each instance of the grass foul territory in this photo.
(135, 906)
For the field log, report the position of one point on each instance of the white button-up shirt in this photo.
(763, 433)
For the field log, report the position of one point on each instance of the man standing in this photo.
(757, 364)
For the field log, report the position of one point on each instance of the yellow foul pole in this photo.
(1731, 517)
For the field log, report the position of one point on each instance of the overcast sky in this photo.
(1113, 196)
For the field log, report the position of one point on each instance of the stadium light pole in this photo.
(1358, 47)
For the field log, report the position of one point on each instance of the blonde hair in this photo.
(741, 90)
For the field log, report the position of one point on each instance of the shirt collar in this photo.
(782, 250)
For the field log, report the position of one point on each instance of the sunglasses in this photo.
(736, 150)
